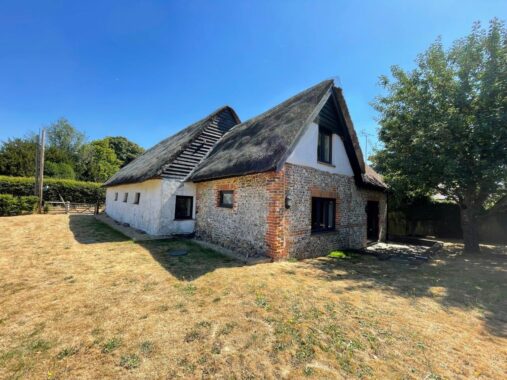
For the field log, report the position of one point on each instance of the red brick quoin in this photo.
(276, 222)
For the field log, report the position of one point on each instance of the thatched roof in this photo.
(152, 162)
(260, 144)
(264, 142)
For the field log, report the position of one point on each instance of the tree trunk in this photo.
(470, 225)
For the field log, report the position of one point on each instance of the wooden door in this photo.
(372, 217)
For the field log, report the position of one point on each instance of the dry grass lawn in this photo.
(78, 300)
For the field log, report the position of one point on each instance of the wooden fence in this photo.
(56, 207)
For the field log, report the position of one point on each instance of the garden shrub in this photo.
(11, 205)
(70, 190)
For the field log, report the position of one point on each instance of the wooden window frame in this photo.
(125, 197)
(176, 216)
(319, 208)
(320, 151)
(137, 198)
(221, 198)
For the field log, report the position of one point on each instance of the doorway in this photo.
(372, 220)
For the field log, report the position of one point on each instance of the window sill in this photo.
(323, 232)
(183, 219)
(326, 163)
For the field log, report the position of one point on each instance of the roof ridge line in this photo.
(279, 105)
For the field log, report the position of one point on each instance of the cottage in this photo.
(290, 182)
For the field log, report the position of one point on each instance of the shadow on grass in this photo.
(454, 279)
(198, 262)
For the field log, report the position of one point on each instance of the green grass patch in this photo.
(130, 361)
(339, 255)
(111, 345)
(146, 347)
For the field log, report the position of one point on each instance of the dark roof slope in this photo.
(154, 160)
(372, 178)
(265, 141)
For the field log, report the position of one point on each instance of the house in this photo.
(290, 182)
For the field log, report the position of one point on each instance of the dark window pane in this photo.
(324, 147)
(226, 198)
(183, 207)
(323, 214)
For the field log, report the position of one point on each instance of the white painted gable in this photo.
(305, 153)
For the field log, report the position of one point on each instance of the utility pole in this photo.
(39, 177)
(36, 174)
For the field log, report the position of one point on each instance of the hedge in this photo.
(11, 205)
(70, 190)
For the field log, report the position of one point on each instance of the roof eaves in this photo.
(342, 105)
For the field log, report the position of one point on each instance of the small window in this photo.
(323, 214)
(184, 207)
(137, 198)
(324, 148)
(226, 198)
(125, 197)
(115, 197)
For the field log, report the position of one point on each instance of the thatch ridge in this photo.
(151, 162)
(259, 144)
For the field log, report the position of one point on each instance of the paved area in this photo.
(139, 236)
(402, 252)
(130, 232)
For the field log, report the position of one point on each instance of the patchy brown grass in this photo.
(78, 300)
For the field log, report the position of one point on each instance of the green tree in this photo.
(125, 150)
(98, 161)
(64, 142)
(444, 124)
(17, 157)
(61, 170)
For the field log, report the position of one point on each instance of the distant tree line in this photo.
(68, 154)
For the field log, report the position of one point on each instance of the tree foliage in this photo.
(444, 123)
(68, 155)
(65, 139)
(125, 150)
(99, 161)
(17, 157)
(62, 170)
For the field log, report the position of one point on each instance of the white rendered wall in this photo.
(155, 212)
(305, 153)
(168, 225)
(144, 216)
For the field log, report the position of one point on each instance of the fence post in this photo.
(67, 207)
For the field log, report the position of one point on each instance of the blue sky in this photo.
(145, 69)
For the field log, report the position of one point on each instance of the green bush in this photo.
(11, 205)
(70, 190)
